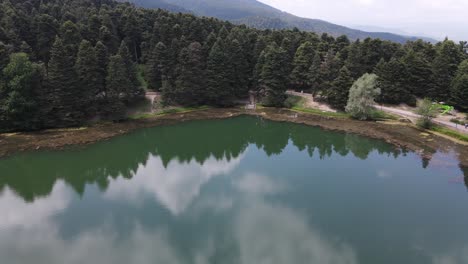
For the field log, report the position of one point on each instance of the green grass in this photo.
(171, 110)
(141, 76)
(294, 101)
(450, 133)
(320, 112)
(381, 115)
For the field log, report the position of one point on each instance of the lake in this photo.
(241, 190)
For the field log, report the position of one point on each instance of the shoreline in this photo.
(398, 134)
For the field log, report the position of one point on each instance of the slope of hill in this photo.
(256, 14)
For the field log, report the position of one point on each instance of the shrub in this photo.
(427, 111)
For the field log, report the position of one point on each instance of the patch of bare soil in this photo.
(310, 102)
(400, 135)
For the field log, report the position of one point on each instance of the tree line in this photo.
(65, 62)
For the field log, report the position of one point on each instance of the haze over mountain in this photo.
(259, 15)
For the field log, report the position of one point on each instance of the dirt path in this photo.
(310, 102)
(413, 117)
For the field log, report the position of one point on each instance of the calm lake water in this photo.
(240, 191)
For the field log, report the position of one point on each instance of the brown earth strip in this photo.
(399, 134)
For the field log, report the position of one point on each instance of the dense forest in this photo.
(65, 62)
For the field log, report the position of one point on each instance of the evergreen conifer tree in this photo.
(63, 107)
(89, 76)
(338, 93)
(301, 64)
(156, 65)
(274, 78)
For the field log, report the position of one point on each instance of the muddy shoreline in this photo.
(398, 134)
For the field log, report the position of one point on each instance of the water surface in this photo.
(241, 190)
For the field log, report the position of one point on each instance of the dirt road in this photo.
(413, 117)
(396, 111)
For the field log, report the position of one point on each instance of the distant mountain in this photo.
(162, 4)
(256, 14)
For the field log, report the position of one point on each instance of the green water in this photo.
(241, 190)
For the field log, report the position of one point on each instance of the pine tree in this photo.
(329, 70)
(459, 87)
(102, 59)
(301, 64)
(63, 107)
(89, 77)
(189, 82)
(274, 78)
(71, 38)
(117, 83)
(420, 73)
(393, 80)
(133, 91)
(220, 89)
(19, 94)
(156, 65)
(338, 93)
(444, 67)
(241, 72)
(314, 76)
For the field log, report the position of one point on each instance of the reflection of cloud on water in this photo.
(16, 213)
(174, 186)
(274, 235)
(252, 183)
(94, 246)
(456, 256)
(384, 174)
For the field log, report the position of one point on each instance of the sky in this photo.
(432, 18)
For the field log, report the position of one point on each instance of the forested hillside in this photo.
(258, 15)
(64, 62)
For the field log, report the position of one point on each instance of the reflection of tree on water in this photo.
(32, 175)
(465, 175)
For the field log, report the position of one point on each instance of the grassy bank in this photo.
(450, 133)
(320, 112)
(171, 110)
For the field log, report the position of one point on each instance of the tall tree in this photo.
(133, 91)
(19, 94)
(329, 70)
(220, 89)
(241, 71)
(189, 82)
(89, 77)
(117, 83)
(63, 107)
(71, 38)
(459, 89)
(420, 73)
(301, 64)
(156, 65)
(274, 78)
(337, 95)
(394, 82)
(314, 76)
(444, 67)
(102, 60)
